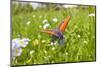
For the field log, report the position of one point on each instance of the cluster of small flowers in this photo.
(17, 45)
(46, 23)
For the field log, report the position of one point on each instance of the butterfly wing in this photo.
(64, 24)
(51, 32)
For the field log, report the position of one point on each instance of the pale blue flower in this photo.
(24, 42)
(20, 42)
(17, 45)
(16, 52)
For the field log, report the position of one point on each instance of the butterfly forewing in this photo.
(64, 24)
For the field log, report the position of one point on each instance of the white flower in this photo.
(45, 21)
(54, 19)
(28, 22)
(66, 53)
(51, 43)
(91, 14)
(46, 26)
(53, 48)
(45, 51)
(43, 41)
(31, 52)
(85, 42)
(78, 36)
(16, 52)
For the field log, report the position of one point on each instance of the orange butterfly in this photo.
(57, 33)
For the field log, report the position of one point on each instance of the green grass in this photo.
(79, 38)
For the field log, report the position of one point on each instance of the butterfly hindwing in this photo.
(51, 32)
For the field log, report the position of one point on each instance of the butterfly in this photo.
(57, 33)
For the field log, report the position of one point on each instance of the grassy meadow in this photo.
(80, 40)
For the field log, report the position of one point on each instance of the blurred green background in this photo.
(80, 40)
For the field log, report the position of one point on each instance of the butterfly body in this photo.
(57, 33)
(59, 37)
